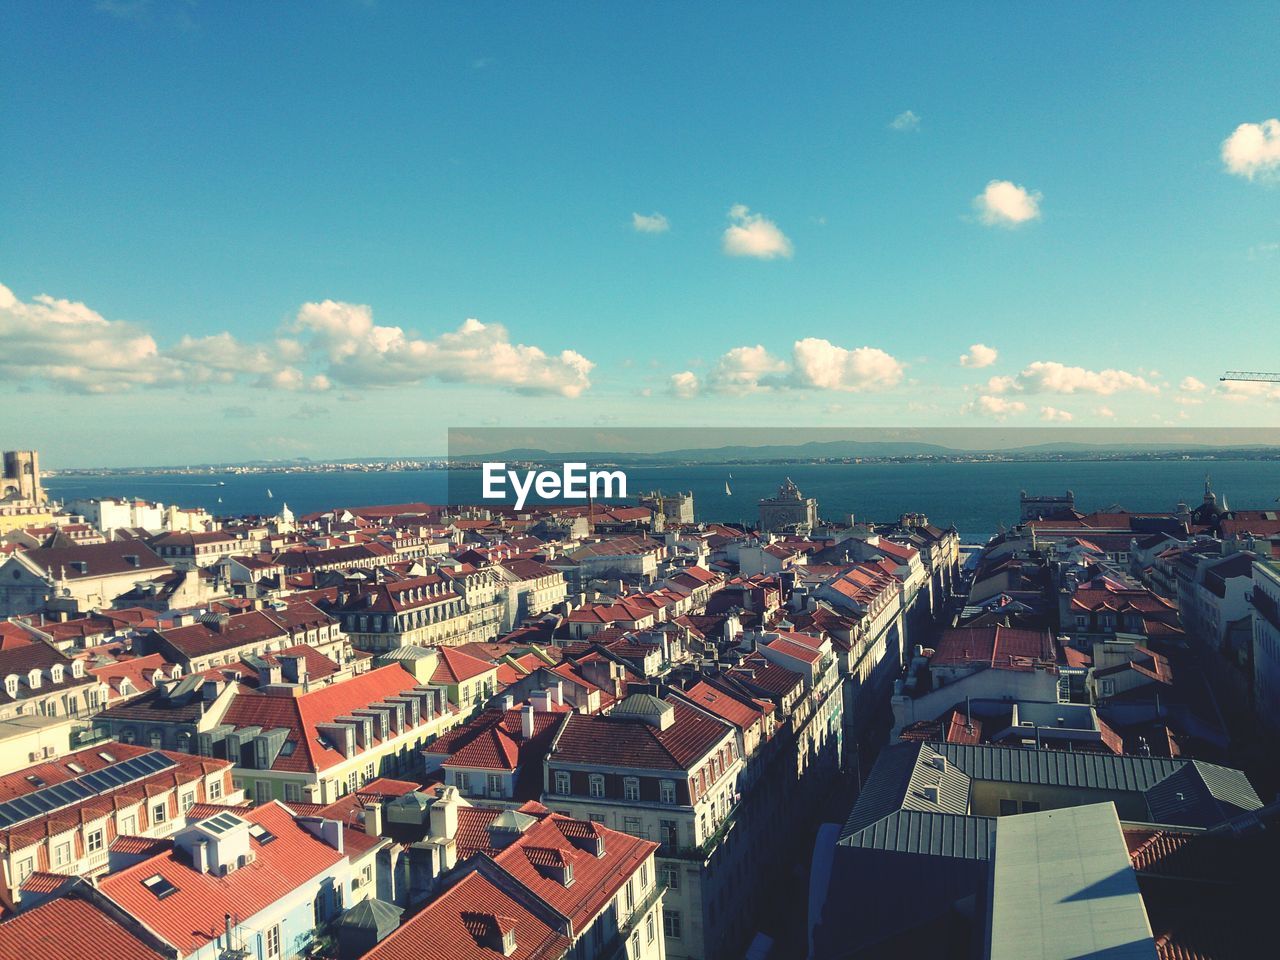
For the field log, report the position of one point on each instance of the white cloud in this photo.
(816, 364)
(1253, 149)
(1241, 391)
(979, 355)
(1002, 384)
(746, 369)
(68, 344)
(906, 121)
(684, 384)
(1191, 385)
(997, 407)
(363, 353)
(1047, 376)
(1005, 204)
(1105, 412)
(650, 223)
(753, 235)
(1054, 415)
(822, 365)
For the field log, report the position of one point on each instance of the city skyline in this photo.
(387, 221)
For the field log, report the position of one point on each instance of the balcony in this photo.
(616, 949)
(708, 846)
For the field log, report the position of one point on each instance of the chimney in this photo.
(526, 722)
(558, 690)
(226, 920)
(373, 819)
(508, 701)
(293, 667)
(444, 815)
(268, 674)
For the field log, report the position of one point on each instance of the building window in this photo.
(631, 896)
(667, 791)
(649, 928)
(188, 801)
(1030, 806)
(1008, 807)
(644, 875)
(62, 854)
(368, 772)
(159, 812)
(632, 826)
(631, 788)
(25, 868)
(463, 781)
(668, 835)
(273, 942)
(597, 785)
(670, 877)
(562, 782)
(215, 789)
(292, 792)
(495, 785)
(94, 842)
(671, 924)
(635, 944)
(129, 826)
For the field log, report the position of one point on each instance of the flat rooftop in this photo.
(1063, 888)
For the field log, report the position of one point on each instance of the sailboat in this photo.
(269, 493)
(727, 491)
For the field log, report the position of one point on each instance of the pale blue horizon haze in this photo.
(649, 187)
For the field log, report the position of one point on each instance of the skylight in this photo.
(261, 833)
(160, 886)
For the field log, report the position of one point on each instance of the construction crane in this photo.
(1245, 375)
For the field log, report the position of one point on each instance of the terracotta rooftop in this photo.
(70, 929)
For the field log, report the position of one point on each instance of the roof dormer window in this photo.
(33, 679)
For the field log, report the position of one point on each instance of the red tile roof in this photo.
(454, 666)
(302, 713)
(463, 924)
(70, 929)
(633, 742)
(596, 880)
(193, 915)
(726, 706)
(1004, 648)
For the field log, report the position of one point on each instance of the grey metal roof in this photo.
(373, 914)
(1059, 768)
(931, 834)
(908, 776)
(1201, 795)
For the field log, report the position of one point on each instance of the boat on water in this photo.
(727, 491)
(269, 493)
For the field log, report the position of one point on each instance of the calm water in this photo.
(976, 497)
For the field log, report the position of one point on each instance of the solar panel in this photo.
(47, 799)
(221, 823)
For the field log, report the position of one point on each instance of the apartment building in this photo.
(63, 815)
(663, 770)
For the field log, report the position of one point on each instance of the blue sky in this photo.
(204, 171)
